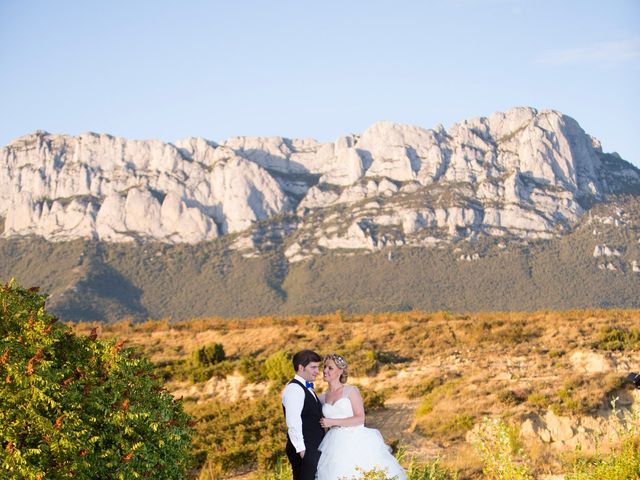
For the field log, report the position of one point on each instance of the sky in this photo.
(215, 69)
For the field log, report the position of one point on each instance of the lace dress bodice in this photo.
(348, 451)
(341, 408)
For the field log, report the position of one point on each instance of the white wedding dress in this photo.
(348, 451)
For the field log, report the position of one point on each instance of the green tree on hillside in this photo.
(278, 367)
(208, 355)
(78, 407)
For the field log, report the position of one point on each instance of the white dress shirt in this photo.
(293, 401)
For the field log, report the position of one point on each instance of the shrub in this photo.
(281, 470)
(369, 362)
(278, 367)
(373, 474)
(362, 357)
(617, 338)
(78, 407)
(538, 400)
(432, 470)
(566, 403)
(251, 369)
(424, 387)
(581, 394)
(208, 355)
(510, 397)
(172, 370)
(556, 353)
(446, 426)
(437, 415)
(231, 436)
(206, 362)
(443, 390)
(497, 446)
(218, 370)
(372, 399)
(623, 463)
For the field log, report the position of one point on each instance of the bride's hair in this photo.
(341, 363)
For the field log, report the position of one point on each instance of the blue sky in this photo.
(168, 70)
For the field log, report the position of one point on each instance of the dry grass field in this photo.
(550, 375)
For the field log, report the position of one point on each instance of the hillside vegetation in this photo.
(547, 377)
(109, 282)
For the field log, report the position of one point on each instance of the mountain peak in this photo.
(524, 173)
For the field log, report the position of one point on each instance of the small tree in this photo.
(78, 407)
(208, 355)
(278, 367)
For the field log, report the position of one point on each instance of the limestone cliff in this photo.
(525, 173)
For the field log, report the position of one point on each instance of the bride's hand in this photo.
(326, 422)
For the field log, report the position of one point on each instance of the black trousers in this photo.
(303, 468)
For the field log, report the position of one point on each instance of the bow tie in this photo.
(309, 384)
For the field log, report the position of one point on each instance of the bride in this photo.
(349, 448)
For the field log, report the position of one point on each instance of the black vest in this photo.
(311, 415)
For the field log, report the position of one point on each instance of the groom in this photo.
(302, 412)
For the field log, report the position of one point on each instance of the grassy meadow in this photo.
(456, 395)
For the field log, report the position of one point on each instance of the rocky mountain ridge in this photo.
(524, 173)
(518, 211)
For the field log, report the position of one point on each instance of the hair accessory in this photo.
(339, 361)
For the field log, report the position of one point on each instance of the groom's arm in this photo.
(293, 401)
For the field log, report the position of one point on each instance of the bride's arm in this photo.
(358, 412)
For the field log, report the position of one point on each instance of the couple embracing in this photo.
(326, 436)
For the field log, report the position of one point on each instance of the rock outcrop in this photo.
(526, 173)
(586, 432)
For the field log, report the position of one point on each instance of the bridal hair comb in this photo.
(339, 360)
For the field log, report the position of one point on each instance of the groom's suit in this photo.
(303, 428)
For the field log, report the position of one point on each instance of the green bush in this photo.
(617, 338)
(373, 400)
(446, 426)
(232, 436)
(208, 361)
(281, 471)
(251, 369)
(208, 355)
(78, 407)
(436, 394)
(432, 470)
(538, 400)
(362, 356)
(424, 387)
(580, 394)
(172, 370)
(623, 463)
(498, 447)
(218, 370)
(196, 370)
(509, 397)
(369, 362)
(278, 367)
